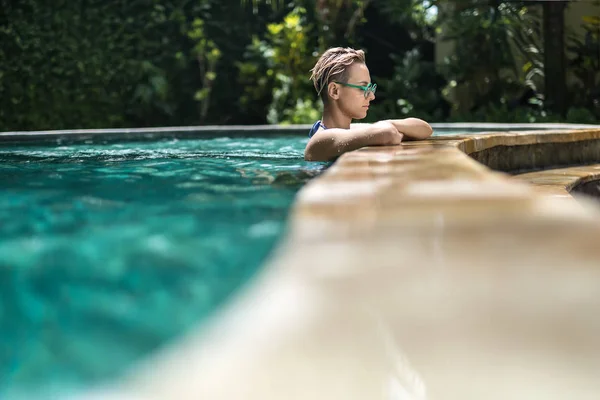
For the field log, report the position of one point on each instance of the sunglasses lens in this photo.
(370, 89)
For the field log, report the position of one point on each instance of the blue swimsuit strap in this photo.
(315, 128)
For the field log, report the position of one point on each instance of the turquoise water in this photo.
(109, 251)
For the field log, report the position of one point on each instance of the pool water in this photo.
(108, 251)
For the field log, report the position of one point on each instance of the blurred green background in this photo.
(104, 64)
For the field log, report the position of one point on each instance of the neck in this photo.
(333, 117)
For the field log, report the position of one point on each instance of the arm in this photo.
(329, 144)
(412, 128)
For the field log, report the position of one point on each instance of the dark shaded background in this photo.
(101, 64)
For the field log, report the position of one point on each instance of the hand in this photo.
(412, 128)
(390, 134)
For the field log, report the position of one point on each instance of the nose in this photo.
(371, 96)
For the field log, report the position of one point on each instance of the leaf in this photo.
(591, 19)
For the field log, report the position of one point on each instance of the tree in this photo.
(554, 56)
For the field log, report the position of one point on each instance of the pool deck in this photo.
(415, 272)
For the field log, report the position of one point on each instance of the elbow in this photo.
(309, 151)
(308, 156)
(428, 130)
(315, 153)
(425, 130)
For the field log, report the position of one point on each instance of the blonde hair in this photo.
(333, 66)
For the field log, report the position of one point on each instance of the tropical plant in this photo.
(336, 20)
(497, 55)
(585, 65)
(279, 66)
(414, 90)
(207, 54)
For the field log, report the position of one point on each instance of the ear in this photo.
(333, 91)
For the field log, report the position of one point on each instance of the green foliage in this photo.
(580, 115)
(415, 90)
(97, 64)
(585, 65)
(501, 113)
(279, 66)
(94, 64)
(497, 53)
(415, 15)
(68, 65)
(207, 54)
(337, 21)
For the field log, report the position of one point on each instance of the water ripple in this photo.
(109, 251)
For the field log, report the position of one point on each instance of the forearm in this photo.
(412, 128)
(346, 143)
(330, 144)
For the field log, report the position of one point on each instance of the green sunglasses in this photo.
(371, 87)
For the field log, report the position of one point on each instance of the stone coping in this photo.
(533, 150)
(485, 140)
(565, 182)
(562, 179)
(408, 272)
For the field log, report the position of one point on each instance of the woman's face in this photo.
(352, 101)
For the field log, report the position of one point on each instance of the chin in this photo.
(360, 115)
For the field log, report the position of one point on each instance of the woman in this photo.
(342, 79)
